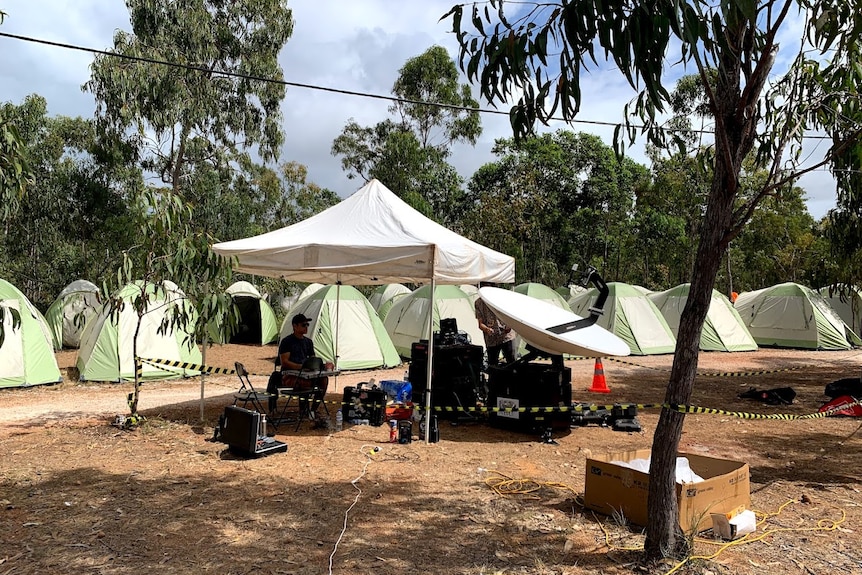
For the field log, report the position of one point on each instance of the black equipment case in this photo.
(240, 429)
(456, 380)
(363, 402)
(525, 385)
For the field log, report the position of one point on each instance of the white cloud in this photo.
(355, 45)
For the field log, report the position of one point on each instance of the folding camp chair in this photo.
(306, 398)
(247, 394)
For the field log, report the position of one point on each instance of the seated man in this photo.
(293, 350)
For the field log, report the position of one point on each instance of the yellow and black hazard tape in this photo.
(751, 373)
(577, 408)
(187, 366)
(744, 415)
(717, 373)
(686, 409)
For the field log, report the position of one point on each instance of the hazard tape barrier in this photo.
(730, 373)
(577, 408)
(716, 373)
(184, 365)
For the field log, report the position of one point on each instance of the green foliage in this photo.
(14, 171)
(194, 113)
(433, 77)
(410, 155)
(551, 194)
(73, 222)
(779, 244)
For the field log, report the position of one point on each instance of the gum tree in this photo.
(534, 54)
(410, 152)
(14, 176)
(189, 121)
(182, 116)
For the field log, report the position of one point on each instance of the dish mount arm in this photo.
(590, 275)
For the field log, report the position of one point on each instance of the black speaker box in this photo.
(456, 378)
(527, 385)
(240, 429)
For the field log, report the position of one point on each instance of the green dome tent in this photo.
(570, 292)
(407, 321)
(106, 344)
(308, 290)
(26, 354)
(723, 329)
(345, 323)
(384, 296)
(70, 312)
(847, 302)
(471, 291)
(257, 323)
(795, 316)
(544, 293)
(632, 316)
(541, 292)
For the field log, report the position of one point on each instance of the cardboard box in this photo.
(613, 489)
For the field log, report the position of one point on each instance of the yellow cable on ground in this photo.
(503, 484)
(822, 525)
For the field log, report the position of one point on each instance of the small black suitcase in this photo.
(363, 402)
(240, 428)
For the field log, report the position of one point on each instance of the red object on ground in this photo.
(599, 383)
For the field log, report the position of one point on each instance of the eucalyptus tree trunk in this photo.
(734, 138)
(663, 510)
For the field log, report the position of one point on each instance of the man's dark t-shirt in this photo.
(299, 349)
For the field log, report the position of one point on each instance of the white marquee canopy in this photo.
(371, 237)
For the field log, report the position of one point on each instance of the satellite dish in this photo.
(548, 327)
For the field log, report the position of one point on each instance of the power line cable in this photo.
(238, 75)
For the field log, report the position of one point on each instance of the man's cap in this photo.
(299, 318)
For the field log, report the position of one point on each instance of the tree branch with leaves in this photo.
(734, 42)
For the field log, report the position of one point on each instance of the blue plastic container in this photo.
(399, 391)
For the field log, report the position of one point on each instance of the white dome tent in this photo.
(408, 319)
(257, 323)
(384, 296)
(345, 329)
(26, 354)
(723, 329)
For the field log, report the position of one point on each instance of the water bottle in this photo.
(339, 421)
(262, 431)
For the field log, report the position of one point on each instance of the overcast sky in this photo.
(354, 45)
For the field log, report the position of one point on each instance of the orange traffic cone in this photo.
(599, 383)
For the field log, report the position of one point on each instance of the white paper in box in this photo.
(611, 489)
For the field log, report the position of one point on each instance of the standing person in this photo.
(498, 336)
(293, 350)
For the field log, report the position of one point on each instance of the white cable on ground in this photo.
(368, 450)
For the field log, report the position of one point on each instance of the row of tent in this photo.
(379, 331)
(104, 339)
(786, 315)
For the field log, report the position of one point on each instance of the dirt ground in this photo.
(78, 495)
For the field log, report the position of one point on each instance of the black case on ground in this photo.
(528, 385)
(362, 402)
(240, 429)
